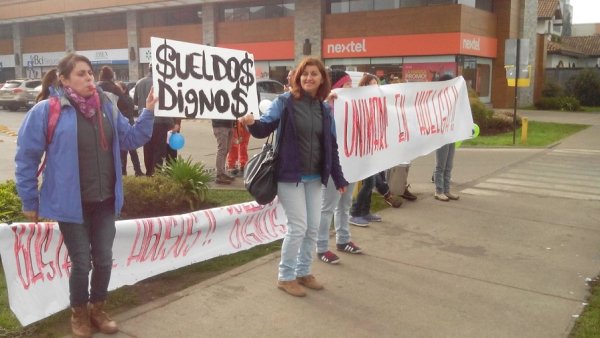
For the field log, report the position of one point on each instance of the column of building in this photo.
(18, 50)
(209, 24)
(133, 45)
(308, 28)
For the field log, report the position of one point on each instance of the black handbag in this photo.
(260, 175)
(260, 172)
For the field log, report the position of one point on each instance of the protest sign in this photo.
(379, 127)
(198, 81)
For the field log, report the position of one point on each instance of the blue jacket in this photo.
(59, 197)
(289, 166)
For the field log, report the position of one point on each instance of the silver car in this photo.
(269, 89)
(13, 95)
(31, 96)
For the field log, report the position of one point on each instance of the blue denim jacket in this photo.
(59, 197)
(289, 167)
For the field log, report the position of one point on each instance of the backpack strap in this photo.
(53, 116)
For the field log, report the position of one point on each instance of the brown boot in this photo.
(310, 282)
(80, 322)
(292, 287)
(101, 320)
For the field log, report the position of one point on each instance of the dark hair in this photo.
(106, 74)
(50, 79)
(324, 88)
(446, 77)
(336, 75)
(67, 64)
(122, 85)
(366, 79)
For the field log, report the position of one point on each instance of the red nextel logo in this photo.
(350, 47)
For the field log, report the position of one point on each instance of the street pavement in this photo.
(511, 258)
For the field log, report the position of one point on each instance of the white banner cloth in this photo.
(37, 266)
(379, 127)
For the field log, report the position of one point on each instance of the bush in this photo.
(10, 204)
(585, 86)
(553, 89)
(152, 197)
(192, 177)
(564, 103)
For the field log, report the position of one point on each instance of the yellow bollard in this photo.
(524, 125)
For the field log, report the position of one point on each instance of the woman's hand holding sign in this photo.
(247, 119)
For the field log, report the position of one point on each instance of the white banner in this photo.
(37, 267)
(198, 81)
(379, 127)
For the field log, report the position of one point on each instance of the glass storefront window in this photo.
(347, 6)
(46, 27)
(273, 9)
(172, 16)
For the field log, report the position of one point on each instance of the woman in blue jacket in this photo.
(308, 156)
(82, 187)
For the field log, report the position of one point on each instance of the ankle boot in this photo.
(101, 320)
(80, 322)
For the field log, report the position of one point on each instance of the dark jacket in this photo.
(289, 166)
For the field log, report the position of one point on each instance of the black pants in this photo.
(156, 149)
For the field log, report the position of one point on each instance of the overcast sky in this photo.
(586, 11)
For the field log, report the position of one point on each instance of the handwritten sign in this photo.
(198, 81)
(379, 127)
(37, 266)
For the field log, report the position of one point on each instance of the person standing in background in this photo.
(334, 203)
(238, 151)
(222, 129)
(155, 151)
(444, 161)
(127, 107)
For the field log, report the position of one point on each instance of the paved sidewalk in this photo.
(506, 260)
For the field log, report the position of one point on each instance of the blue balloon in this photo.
(176, 141)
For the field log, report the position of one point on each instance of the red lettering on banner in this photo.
(403, 132)
(35, 260)
(436, 110)
(163, 237)
(369, 127)
(257, 228)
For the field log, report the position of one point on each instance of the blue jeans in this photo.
(444, 160)
(340, 203)
(362, 205)
(92, 240)
(302, 205)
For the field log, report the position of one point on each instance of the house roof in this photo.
(576, 46)
(548, 9)
(588, 45)
(563, 49)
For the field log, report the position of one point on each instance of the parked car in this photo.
(31, 96)
(269, 89)
(13, 95)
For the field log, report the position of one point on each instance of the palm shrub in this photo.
(193, 177)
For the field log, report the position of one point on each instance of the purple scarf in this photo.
(87, 106)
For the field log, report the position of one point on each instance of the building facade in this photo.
(408, 40)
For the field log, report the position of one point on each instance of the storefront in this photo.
(422, 57)
(117, 59)
(273, 59)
